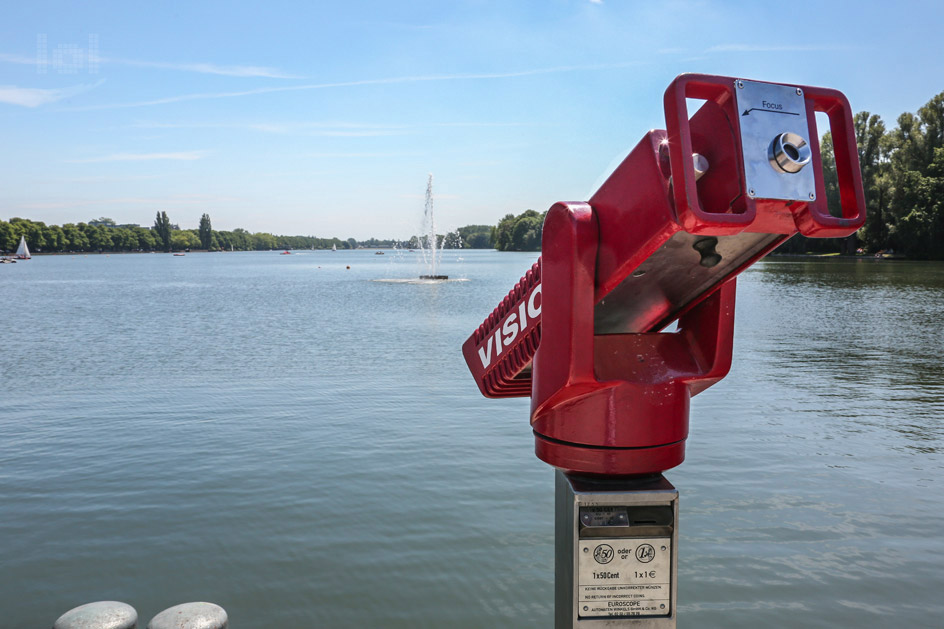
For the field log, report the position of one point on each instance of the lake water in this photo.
(305, 447)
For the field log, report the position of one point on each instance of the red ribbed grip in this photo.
(499, 352)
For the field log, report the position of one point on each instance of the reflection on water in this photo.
(870, 339)
(304, 446)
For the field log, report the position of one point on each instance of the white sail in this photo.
(22, 252)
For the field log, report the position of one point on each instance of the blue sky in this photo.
(325, 118)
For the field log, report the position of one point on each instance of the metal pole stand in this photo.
(616, 555)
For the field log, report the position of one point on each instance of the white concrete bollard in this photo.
(100, 615)
(191, 616)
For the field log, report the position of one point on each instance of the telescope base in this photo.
(582, 459)
(616, 553)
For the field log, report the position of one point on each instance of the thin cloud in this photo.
(108, 178)
(34, 97)
(768, 48)
(18, 59)
(482, 124)
(328, 129)
(182, 200)
(323, 129)
(204, 68)
(186, 156)
(381, 155)
(384, 81)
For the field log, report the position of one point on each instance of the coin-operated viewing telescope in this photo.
(660, 242)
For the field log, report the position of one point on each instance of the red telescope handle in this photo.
(817, 221)
(688, 208)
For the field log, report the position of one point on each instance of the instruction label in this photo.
(624, 577)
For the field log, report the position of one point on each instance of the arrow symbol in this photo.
(769, 111)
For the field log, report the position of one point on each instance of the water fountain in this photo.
(431, 248)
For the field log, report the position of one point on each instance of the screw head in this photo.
(750, 192)
(799, 92)
(812, 196)
(740, 84)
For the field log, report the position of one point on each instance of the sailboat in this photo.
(334, 247)
(22, 252)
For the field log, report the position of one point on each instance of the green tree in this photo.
(501, 236)
(206, 232)
(146, 238)
(55, 238)
(77, 240)
(873, 148)
(476, 236)
(185, 239)
(916, 182)
(519, 233)
(263, 241)
(6, 237)
(124, 239)
(163, 230)
(99, 238)
(241, 239)
(526, 235)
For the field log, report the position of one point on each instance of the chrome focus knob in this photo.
(789, 153)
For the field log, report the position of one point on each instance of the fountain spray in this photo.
(435, 252)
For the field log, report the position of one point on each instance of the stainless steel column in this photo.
(616, 559)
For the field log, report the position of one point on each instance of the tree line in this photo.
(104, 235)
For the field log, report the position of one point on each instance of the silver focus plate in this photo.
(627, 576)
(767, 111)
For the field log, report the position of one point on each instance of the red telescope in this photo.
(661, 241)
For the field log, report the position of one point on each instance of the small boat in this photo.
(334, 247)
(378, 253)
(180, 254)
(286, 253)
(22, 252)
